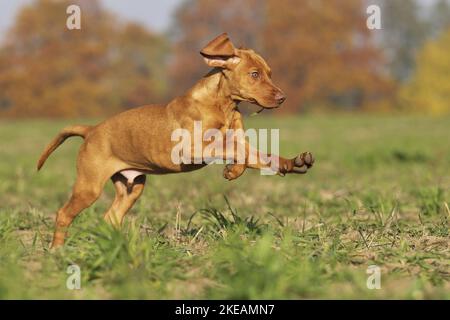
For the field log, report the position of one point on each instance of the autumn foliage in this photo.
(47, 70)
(324, 54)
(429, 89)
(321, 52)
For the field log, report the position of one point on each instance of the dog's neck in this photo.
(213, 91)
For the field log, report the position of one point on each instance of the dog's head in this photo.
(248, 75)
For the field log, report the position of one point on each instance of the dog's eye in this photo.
(255, 74)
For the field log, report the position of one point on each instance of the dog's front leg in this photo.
(235, 170)
(279, 165)
(255, 159)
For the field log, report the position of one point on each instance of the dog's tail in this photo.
(71, 131)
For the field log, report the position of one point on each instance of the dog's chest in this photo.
(220, 122)
(223, 116)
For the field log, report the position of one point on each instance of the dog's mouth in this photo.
(262, 106)
(276, 106)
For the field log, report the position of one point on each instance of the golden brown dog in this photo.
(137, 142)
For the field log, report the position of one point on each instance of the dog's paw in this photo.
(304, 159)
(300, 164)
(233, 171)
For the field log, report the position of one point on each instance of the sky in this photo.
(155, 14)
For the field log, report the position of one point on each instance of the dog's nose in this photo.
(280, 97)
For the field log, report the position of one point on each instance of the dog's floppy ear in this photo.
(220, 52)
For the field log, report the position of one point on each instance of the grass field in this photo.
(378, 195)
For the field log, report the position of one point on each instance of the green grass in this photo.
(378, 194)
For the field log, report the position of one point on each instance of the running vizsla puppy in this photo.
(137, 142)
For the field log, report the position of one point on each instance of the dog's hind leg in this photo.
(126, 195)
(85, 193)
(88, 187)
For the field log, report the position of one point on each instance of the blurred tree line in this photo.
(107, 66)
(321, 52)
